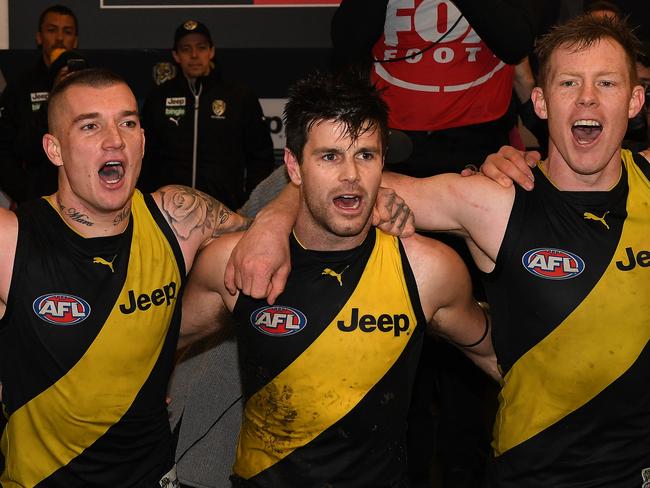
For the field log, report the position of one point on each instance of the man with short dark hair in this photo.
(328, 369)
(22, 177)
(204, 131)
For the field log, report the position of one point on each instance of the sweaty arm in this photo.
(475, 208)
(196, 218)
(206, 303)
(8, 240)
(445, 290)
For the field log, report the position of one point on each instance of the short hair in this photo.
(92, 77)
(58, 9)
(347, 98)
(581, 33)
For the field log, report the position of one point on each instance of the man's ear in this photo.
(52, 148)
(539, 102)
(39, 38)
(636, 101)
(293, 167)
(175, 56)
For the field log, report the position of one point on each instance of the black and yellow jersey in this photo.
(327, 371)
(571, 301)
(86, 350)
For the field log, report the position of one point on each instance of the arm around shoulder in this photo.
(472, 207)
(196, 218)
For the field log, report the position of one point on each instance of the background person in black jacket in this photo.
(203, 131)
(24, 178)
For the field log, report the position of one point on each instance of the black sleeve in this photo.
(258, 145)
(356, 26)
(509, 27)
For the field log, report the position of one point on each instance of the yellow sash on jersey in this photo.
(333, 374)
(56, 426)
(595, 345)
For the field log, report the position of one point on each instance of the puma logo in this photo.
(105, 263)
(330, 272)
(590, 216)
(175, 120)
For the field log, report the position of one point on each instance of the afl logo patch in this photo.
(61, 309)
(553, 264)
(278, 320)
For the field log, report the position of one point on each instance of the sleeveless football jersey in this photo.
(571, 301)
(86, 350)
(327, 371)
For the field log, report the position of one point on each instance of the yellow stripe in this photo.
(333, 374)
(595, 345)
(60, 423)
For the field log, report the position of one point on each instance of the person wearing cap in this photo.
(21, 100)
(202, 130)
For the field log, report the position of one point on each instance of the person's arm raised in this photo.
(196, 218)
(474, 208)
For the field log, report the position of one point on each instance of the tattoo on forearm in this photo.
(188, 210)
(122, 216)
(76, 216)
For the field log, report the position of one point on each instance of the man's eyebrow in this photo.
(95, 115)
(86, 116)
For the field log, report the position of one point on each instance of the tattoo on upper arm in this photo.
(190, 210)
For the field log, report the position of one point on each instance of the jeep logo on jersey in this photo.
(61, 309)
(553, 264)
(278, 320)
(144, 301)
(396, 323)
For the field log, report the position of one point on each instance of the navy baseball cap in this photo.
(191, 27)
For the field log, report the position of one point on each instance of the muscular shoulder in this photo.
(8, 239)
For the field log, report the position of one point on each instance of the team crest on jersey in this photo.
(218, 108)
(553, 264)
(61, 309)
(278, 320)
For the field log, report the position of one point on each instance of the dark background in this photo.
(266, 47)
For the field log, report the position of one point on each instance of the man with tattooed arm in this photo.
(90, 279)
